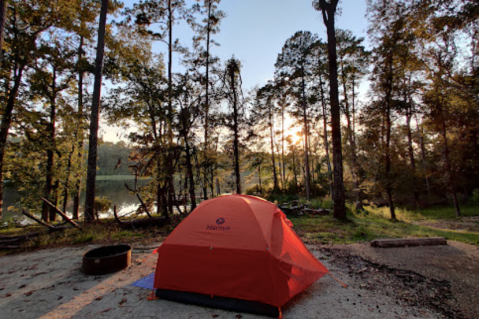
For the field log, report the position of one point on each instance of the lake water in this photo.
(114, 190)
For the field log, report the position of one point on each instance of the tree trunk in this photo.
(259, 177)
(236, 137)
(306, 146)
(170, 174)
(95, 110)
(411, 157)
(6, 123)
(191, 179)
(283, 166)
(450, 179)
(3, 13)
(423, 156)
(325, 131)
(48, 213)
(338, 187)
(271, 130)
(352, 146)
(207, 107)
(294, 172)
(388, 125)
(77, 193)
(388, 164)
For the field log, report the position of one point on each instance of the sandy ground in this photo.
(49, 284)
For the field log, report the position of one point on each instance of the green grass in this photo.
(367, 227)
(432, 213)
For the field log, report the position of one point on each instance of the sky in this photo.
(254, 31)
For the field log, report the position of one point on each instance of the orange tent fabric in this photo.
(237, 246)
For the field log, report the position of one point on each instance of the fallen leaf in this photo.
(106, 310)
(122, 301)
(214, 316)
(29, 293)
(238, 316)
(99, 298)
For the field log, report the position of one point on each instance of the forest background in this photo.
(410, 140)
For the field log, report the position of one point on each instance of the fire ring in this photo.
(106, 260)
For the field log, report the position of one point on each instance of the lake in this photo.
(113, 189)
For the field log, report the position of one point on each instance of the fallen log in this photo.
(64, 216)
(408, 242)
(41, 222)
(140, 223)
(145, 208)
(9, 246)
(314, 212)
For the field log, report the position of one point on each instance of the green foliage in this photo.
(474, 200)
(102, 204)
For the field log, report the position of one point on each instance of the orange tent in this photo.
(240, 247)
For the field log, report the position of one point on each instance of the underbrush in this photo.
(369, 225)
(106, 232)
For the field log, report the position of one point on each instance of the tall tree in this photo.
(157, 18)
(94, 118)
(263, 114)
(328, 10)
(234, 121)
(27, 21)
(353, 63)
(296, 64)
(203, 41)
(52, 74)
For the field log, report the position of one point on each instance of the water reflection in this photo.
(114, 190)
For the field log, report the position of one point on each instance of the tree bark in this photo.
(7, 122)
(450, 179)
(207, 107)
(411, 157)
(329, 10)
(352, 146)
(3, 13)
(236, 135)
(48, 213)
(77, 193)
(306, 146)
(170, 169)
(271, 129)
(191, 179)
(283, 166)
(325, 131)
(95, 110)
(388, 125)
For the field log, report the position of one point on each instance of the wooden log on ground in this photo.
(65, 217)
(144, 223)
(408, 242)
(9, 246)
(29, 235)
(41, 222)
(140, 223)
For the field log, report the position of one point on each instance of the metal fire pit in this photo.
(106, 260)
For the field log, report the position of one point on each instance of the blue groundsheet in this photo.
(146, 282)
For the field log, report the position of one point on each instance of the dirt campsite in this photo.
(408, 282)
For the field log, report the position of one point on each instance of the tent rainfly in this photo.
(235, 252)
